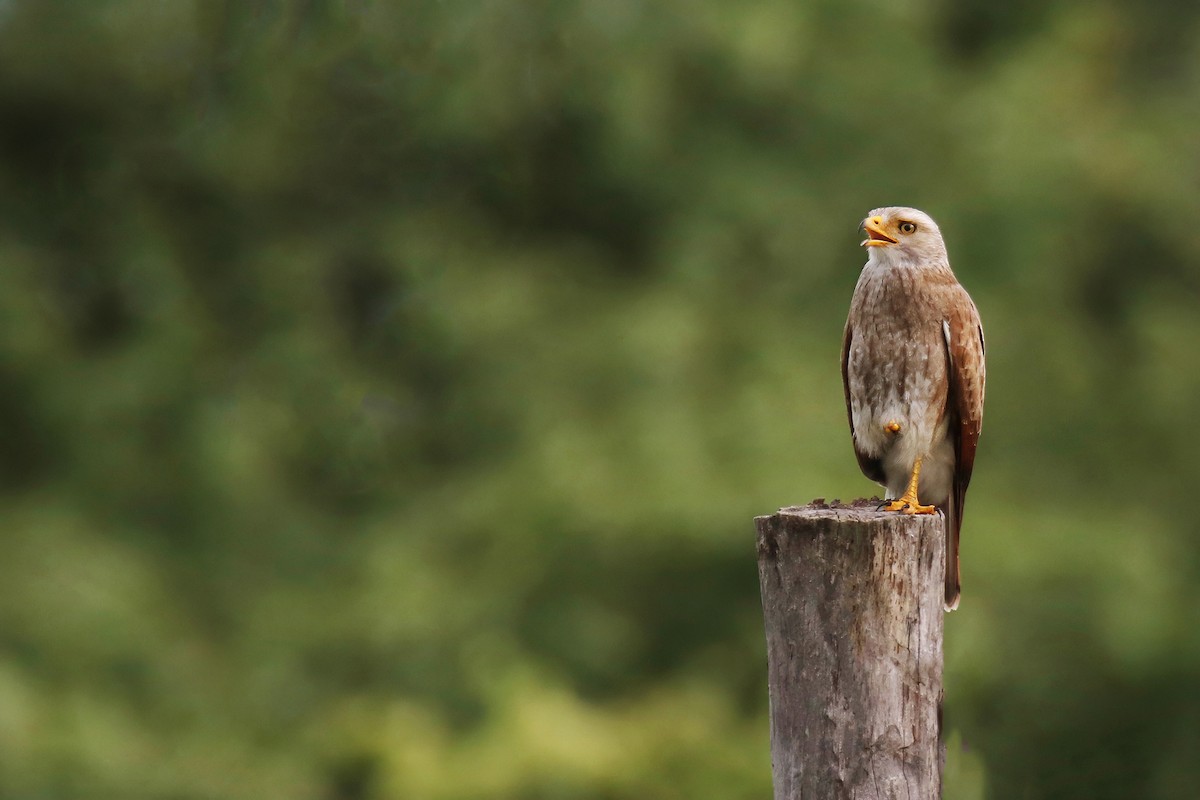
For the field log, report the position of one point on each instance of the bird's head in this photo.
(898, 233)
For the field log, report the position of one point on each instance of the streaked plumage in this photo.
(913, 372)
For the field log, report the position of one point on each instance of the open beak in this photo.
(873, 226)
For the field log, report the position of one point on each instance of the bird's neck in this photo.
(888, 260)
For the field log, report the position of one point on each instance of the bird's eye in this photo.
(907, 227)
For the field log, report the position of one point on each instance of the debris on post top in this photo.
(852, 605)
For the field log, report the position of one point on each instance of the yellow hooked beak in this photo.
(875, 235)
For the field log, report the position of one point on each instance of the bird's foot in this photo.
(909, 505)
(891, 427)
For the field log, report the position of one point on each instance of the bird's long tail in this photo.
(953, 526)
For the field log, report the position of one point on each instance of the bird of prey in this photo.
(913, 373)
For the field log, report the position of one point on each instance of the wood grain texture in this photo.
(852, 605)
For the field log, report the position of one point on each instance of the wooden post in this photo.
(852, 603)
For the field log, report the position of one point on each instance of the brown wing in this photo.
(871, 467)
(966, 375)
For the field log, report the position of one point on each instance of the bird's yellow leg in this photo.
(907, 504)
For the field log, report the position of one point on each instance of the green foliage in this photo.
(387, 388)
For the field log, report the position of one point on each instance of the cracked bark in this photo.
(852, 606)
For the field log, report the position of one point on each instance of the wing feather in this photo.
(965, 371)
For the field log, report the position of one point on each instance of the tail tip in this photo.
(953, 593)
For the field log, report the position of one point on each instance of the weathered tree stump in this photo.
(852, 602)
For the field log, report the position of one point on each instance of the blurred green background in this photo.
(387, 388)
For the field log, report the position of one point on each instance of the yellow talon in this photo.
(907, 503)
(892, 427)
